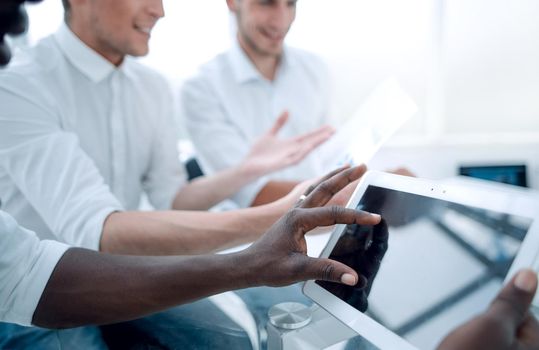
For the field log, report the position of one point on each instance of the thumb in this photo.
(330, 270)
(279, 123)
(513, 302)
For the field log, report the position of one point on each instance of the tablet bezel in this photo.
(499, 201)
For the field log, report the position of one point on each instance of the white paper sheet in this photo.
(380, 116)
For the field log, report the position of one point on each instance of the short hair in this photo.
(67, 9)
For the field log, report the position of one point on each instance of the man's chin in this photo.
(139, 52)
(274, 51)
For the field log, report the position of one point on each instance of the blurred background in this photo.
(472, 66)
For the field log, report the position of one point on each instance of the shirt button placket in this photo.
(118, 138)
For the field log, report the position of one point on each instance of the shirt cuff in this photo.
(30, 289)
(97, 223)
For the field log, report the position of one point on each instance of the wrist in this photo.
(279, 207)
(247, 172)
(287, 202)
(248, 273)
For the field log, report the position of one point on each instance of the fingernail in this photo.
(526, 281)
(376, 216)
(348, 279)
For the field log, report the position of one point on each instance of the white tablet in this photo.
(449, 249)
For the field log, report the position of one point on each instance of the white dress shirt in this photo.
(229, 104)
(26, 264)
(81, 138)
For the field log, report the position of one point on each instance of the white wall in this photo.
(442, 160)
(492, 66)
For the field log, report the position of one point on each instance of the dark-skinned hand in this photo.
(280, 255)
(362, 248)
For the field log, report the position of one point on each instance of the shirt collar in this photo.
(85, 59)
(244, 69)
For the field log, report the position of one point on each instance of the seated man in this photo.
(80, 271)
(508, 318)
(85, 130)
(89, 288)
(242, 92)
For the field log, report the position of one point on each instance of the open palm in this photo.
(271, 153)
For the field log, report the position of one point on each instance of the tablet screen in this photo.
(443, 264)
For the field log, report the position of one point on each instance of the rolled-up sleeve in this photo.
(219, 144)
(26, 264)
(54, 174)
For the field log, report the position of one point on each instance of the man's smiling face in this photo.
(116, 28)
(263, 24)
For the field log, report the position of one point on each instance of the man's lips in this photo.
(274, 36)
(144, 29)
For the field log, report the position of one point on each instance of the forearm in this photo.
(205, 192)
(273, 191)
(186, 232)
(92, 288)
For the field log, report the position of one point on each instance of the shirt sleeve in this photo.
(219, 144)
(26, 264)
(166, 174)
(54, 174)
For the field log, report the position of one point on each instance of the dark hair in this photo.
(67, 9)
